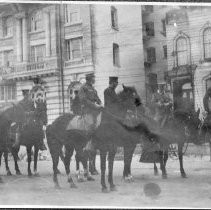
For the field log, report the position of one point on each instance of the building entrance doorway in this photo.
(183, 95)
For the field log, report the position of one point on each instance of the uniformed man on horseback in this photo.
(163, 105)
(91, 103)
(111, 100)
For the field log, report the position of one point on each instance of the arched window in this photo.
(207, 43)
(182, 51)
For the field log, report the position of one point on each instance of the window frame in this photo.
(116, 55)
(6, 26)
(165, 52)
(68, 11)
(35, 58)
(181, 37)
(7, 88)
(114, 18)
(204, 56)
(150, 31)
(69, 49)
(34, 19)
(150, 58)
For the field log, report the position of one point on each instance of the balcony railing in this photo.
(36, 66)
(28, 69)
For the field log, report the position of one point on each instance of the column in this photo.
(47, 34)
(25, 39)
(19, 40)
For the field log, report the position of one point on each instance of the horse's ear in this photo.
(123, 86)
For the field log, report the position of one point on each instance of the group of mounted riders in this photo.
(88, 105)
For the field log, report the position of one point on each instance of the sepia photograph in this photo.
(105, 104)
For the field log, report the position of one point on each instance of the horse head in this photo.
(130, 98)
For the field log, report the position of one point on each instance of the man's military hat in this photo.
(113, 79)
(89, 76)
(25, 92)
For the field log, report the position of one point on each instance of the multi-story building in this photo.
(155, 45)
(62, 42)
(189, 50)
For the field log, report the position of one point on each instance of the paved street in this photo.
(195, 191)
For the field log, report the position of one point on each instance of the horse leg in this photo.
(162, 165)
(111, 156)
(128, 155)
(29, 150)
(15, 157)
(79, 174)
(36, 149)
(165, 157)
(84, 161)
(155, 169)
(210, 148)
(1, 181)
(103, 168)
(6, 163)
(180, 154)
(92, 166)
(68, 154)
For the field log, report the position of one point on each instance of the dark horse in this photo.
(11, 114)
(29, 132)
(106, 138)
(182, 128)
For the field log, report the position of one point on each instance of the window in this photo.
(149, 8)
(151, 55)
(7, 93)
(207, 43)
(8, 58)
(116, 61)
(37, 53)
(74, 48)
(37, 21)
(182, 52)
(165, 51)
(7, 26)
(149, 27)
(114, 20)
(164, 27)
(71, 15)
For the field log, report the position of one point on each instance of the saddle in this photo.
(84, 122)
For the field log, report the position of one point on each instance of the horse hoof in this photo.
(30, 175)
(183, 175)
(90, 178)
(73, 185)
(9, 173)
(37, 175)
(95, 172)
(127, 179)
(156, 173)
(57, 186)
(164, 176)
(113, 188)
(18, 173)
(105, 190)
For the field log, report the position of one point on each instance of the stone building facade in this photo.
(61, 43)
(155, 45)
(189, 50)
